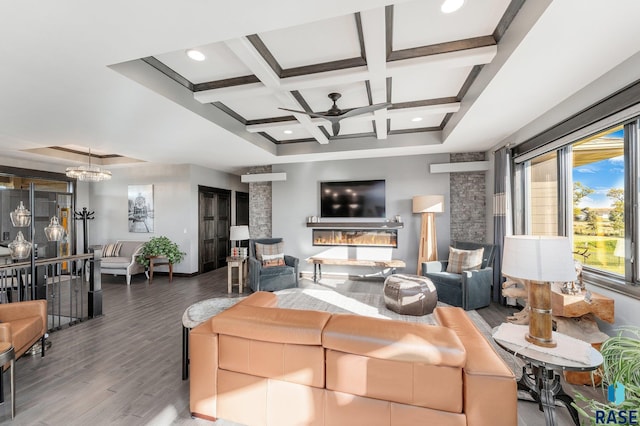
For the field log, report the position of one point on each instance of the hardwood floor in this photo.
(124, 368)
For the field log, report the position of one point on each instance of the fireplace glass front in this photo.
(356, 237)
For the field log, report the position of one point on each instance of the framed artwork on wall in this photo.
(140, 208)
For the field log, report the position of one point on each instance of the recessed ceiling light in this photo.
(450, 6)
(288, 132)
(416, 119)
(196, 55)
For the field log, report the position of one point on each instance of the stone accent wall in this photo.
(260, 202)
(468, 201)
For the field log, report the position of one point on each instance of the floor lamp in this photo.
(539, 260)
(428, 205)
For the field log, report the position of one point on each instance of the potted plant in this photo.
(621, 354)
(160, 246)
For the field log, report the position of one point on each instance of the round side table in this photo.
(539, 378)
(7, 354)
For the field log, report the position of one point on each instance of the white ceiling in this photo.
(71, 75)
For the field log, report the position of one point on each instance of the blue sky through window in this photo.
(601, 176)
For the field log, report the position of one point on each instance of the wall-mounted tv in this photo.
(360, 198)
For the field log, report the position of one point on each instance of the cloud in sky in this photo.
(618, 159)
(587, 170)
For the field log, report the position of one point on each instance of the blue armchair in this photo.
(470, 289)
(271, 278)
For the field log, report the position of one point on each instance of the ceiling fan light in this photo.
(196, 55)
(450, 6)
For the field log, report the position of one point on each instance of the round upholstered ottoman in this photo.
(410, 294)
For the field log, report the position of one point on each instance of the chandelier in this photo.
(88, 173)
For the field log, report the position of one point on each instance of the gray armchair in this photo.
(469, 290)
(274, 277)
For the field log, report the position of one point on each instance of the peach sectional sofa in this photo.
(257, 364)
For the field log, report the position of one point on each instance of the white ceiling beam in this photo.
(245, 51)
(248, 54)
(457, 59)
(232, 93)
(374, 33)
(282, 125)
(426, 64)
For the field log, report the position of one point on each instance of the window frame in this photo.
(629, 284)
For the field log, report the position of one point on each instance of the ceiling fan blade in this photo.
(363, 110)
(335, 126)
(312, 114)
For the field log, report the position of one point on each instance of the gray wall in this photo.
(175, 191)
(298, 197)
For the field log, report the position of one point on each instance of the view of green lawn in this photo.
(600, 252)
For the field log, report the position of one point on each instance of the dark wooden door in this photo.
(223, 206)
(242, 212)
(214, 208)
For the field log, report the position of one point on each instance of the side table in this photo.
(240, 263)
(7, 354)
(159, 261)
(539, 378)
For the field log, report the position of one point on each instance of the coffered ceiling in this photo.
(411, 55)
(115, 77)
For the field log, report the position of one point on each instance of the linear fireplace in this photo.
(356, 237)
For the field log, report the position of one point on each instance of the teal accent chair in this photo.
(470, 289)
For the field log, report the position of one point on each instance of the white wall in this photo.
(299, 197)
(175, 191)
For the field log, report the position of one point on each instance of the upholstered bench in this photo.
(410, 294)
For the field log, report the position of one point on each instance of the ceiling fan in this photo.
(335, 114)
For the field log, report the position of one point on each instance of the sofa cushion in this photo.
(293, 326)
(115, 262)
(405, 341)
(271, 260)
(269, 249)
(128, 248)
(448, 278)
(278, 270)
(464, 260)
(111, 250)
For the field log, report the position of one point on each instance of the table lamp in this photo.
(539, 260)
(238, 233)
(428, 205)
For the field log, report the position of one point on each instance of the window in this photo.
(598, 173)
(585, 189)
(542, 202)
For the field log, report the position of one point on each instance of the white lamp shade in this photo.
(239, 233)
(538, 258)
(428, 204)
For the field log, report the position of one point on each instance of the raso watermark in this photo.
(616, 395)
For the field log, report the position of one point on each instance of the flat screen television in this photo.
(360, 198)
